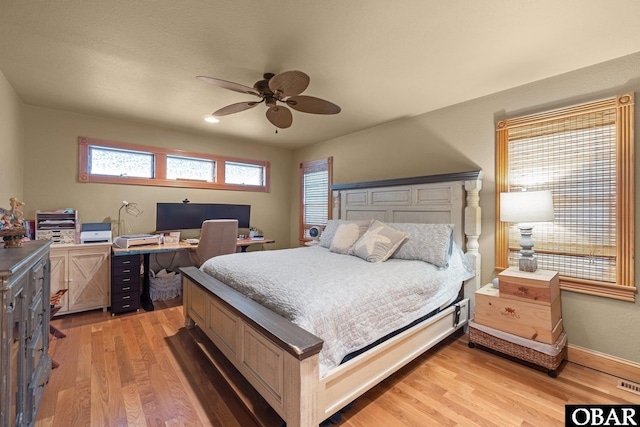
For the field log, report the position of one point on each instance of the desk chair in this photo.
(217, 237)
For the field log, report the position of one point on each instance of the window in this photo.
(190, 168)
(584, 155)
(120, 163)
(124, 163)
(315, 198)
(242, 173)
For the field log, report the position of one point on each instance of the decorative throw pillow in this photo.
(378, 243)
(332, 226)
(431, 243)
(346, 235)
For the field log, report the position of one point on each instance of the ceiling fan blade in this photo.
(279, 116)
(235, 108)
(236, 87)
(289, 83)
(311, 104)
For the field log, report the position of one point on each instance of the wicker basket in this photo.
(549, 361)
(165, 287)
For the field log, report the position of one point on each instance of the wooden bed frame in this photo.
(280, 359)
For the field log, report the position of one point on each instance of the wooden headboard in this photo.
(435, 199)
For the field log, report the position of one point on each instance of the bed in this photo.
(304, 378)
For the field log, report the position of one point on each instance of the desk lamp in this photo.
(131, 209)
(524, 208)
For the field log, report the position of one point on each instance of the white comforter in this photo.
(346, 301)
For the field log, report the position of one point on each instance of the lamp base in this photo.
(529, 264)
(527, 261)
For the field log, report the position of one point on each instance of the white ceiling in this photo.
(379, 60)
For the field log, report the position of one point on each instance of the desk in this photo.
(243, 244)
(146, 250)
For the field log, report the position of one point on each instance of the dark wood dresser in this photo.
(25, 364)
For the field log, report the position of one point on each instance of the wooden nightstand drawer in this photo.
(540, 287)
(525, 319)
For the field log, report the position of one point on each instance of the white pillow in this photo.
(378, 243)
(332, 226)
(346, 235)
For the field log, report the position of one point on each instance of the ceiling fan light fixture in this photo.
(284, 87)
(211, 119)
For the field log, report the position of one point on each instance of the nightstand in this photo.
(522, 318)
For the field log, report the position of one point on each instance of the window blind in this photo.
(584, 155)
(315, 181)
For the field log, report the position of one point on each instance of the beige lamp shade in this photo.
(526, 206)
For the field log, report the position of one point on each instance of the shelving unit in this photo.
(59, 227)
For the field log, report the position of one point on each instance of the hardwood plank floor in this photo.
(145, 369)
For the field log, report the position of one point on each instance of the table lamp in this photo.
(525, 208)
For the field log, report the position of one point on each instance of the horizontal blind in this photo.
(316, 197)
(575, 158)
(315, 181)
(584, 155)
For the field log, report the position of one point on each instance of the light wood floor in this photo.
(145, 369)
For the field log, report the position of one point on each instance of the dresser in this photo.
(25, 364)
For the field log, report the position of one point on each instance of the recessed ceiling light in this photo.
(211, 119)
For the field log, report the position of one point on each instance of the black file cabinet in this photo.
(125, 284)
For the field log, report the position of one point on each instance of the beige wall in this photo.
(461, 138)
(11, 144)
(50, 178)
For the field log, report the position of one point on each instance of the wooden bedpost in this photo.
(336, 204)
(472, 230)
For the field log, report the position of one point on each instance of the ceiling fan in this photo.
(284, 88)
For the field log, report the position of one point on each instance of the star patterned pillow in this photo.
(378, 243)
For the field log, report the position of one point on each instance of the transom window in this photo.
(243, 173)
(190, 168)
(122, 163)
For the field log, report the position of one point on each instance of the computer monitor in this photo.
(189, 216)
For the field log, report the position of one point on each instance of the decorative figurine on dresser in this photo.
(11, 224)
(25, 364)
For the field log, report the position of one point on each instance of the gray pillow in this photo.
(431, 243)
(326, 238)
(378, 243)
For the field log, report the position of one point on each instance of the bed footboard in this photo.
(278, 358)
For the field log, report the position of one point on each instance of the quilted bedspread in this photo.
(346, 301)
